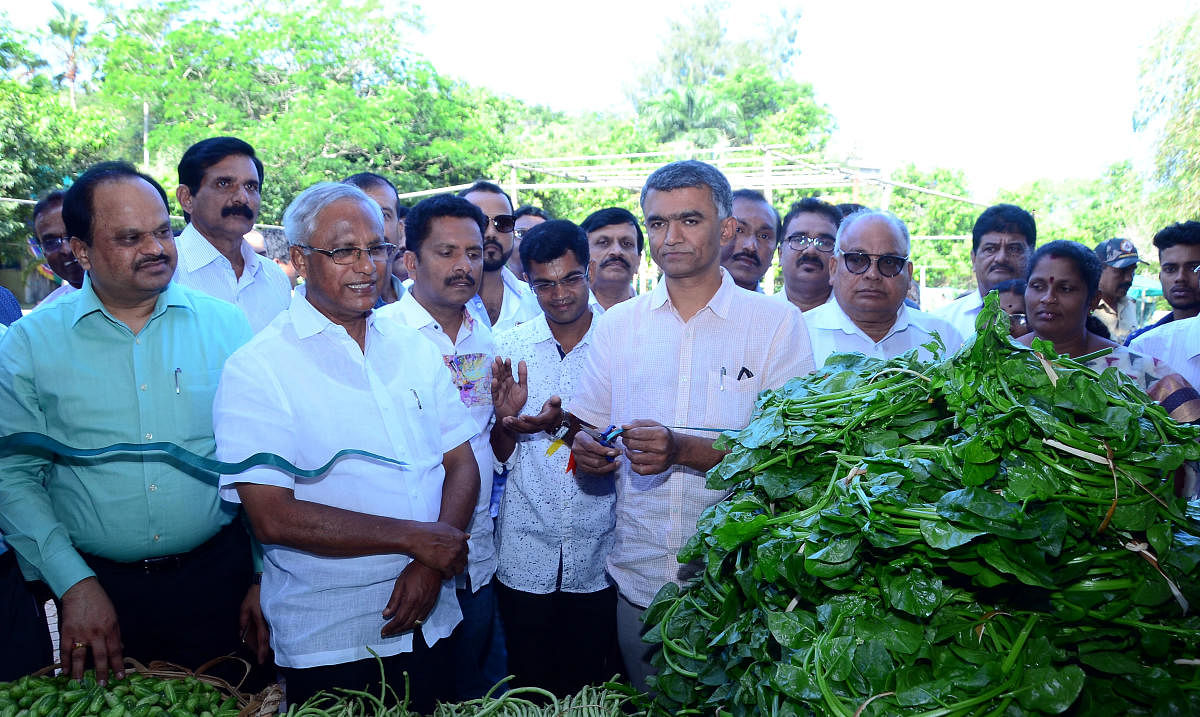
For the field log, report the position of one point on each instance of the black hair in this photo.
(77, 203)
(482, 185)
(47, 202)
(551, 239)
(848, 208)
(207, 152)
(1097, 327)
(756, 196)
(812, 205)
(366, 180)
(418, 220)
(692, 173)
(1186, 233)
(1010, 286)
(528, 210)
(1085, 260)
(1007, 219)
(401, 211)
(613, 215)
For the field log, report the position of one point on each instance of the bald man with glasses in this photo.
(870, 272)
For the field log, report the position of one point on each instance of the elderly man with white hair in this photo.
(870, 273)
(359, 561)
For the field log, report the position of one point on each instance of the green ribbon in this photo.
(37, 443)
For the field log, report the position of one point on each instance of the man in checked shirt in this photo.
(694, 352)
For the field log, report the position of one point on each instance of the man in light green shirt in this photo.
(141, 552)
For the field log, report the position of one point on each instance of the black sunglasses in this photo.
(858, 262)
(504, 223)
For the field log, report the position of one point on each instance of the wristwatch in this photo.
(565, 428)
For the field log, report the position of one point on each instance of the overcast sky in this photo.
(1006, 91)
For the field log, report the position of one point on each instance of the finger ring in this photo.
(78, 645)
(418, 623)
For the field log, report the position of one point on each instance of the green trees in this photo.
(1169, 109)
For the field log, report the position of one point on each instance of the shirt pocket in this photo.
(191, 392)
(728, 401)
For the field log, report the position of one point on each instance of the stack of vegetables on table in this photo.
(137, 695)
(992, 533)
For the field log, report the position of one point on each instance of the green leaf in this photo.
(792, 630)
(794, 682)
(1049, 690)
(1114, 663)
(945, 536)
(914, 592)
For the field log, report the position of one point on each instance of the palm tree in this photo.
(69, 29)
(695, 114)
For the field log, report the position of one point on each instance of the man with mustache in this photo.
(445, 241)
(1179, 257)
(145, 559)
(220, 184)
(748, 257)
(51, 236)
(1002, 241)
(615, 245)
(1116, 310)
(810, 228)
(870, 273)
(503, 298)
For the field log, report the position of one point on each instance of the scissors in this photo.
(605, 437)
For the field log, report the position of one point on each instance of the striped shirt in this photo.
(261, 292)
(647, 362)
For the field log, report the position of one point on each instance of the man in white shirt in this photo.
(359, 559)
(555, 529)
(444, 236)
(503, 297)
(809, 231)
(615, 245)
(1178, 247)
(748, 257)
(50, 232)
(1176, 344)
(1002, 241)
(871, 272)
(220, 180)
(693, 353)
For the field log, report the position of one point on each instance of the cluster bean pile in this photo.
(992, 533)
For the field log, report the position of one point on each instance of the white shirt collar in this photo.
(196, 252)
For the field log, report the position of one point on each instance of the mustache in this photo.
(149, 260)
(460, 277)
(238, 209)
(810, 259)
(494, 243)
(615, 260)
(1003, 265)
(747, 255)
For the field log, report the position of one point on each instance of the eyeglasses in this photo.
(797, 242)
(351, 254)
(1018, 322)
(53, 244)
(504, 223)
(858, 262)
(569, 282)
(520, 232)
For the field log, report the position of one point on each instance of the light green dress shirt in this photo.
(80, 376)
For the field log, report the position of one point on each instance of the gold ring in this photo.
(78, 645)
(418, 623)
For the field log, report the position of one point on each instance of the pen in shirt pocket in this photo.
(177, 372)
(417, 398)
(721, 384)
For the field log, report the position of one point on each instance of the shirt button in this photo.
(149, 436)
(156, 538)
(137, 341)
(143, 387)
(153, 487)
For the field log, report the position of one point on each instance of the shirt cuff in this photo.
(499, 466)
(63, 570)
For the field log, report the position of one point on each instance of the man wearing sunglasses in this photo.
(870, 272)
(503, 297)
(50, 233)
(810, 228)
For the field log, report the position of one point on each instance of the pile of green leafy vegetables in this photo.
(993, 533)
